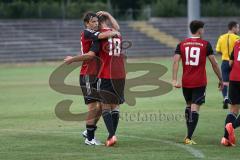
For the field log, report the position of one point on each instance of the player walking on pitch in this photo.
(193, 52)
(233, 119)
(224, 47)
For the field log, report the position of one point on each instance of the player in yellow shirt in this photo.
(224, 47)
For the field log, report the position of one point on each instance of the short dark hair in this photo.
(232, 24)
(87, 16)
(195, 26)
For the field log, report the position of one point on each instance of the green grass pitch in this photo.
(29, 129)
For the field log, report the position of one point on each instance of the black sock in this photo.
(236, 123)
(229, 119)
(107, 117)
(193, 120)
(90, 131)
(115, 119)
(187, 114)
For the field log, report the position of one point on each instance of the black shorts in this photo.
(112, 91)
(89, 86)
(194, 95)
(225, 70)
(234, 92)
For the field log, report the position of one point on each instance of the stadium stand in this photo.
(46, 40)
(177, 27)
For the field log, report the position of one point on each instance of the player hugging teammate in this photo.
(102, 77)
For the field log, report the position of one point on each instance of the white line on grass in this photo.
(196, 153)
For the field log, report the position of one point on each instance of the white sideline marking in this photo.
(196, 153)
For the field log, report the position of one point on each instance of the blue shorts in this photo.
(225, 70)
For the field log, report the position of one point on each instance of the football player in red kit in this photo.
(233, 119)
(193, 52)
(88, 74)
(111, 76)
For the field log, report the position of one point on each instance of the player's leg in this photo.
(193, 119)
(187, 113)
(230, 126)
(115, 116)
(87, 84)
(233, 112)
(106, 98)
(236, 123)
(91, 120)
(118, 86)
(230, 118)
(107, 118)
(98, 115)
(98, 112)
(233, 119)
(187, 93)
(109, 99)
(198, 98)
(225, 74)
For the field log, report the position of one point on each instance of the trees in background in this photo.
(122, 9)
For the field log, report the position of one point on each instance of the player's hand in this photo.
(117, 33)
(102, 13)
(220, 85)
(176, 84)
(68, 59)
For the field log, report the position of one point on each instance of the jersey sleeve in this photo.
(178, 49)
(218, 46)
(209, 49)
(95, 47)
(92, 35)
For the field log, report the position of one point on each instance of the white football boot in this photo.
(93, 142)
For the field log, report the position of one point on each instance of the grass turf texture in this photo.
(30, 130)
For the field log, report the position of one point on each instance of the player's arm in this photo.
(214, 64)
(176, 59)
(108, 34)
(94, 36)
(112, 20)
(79, 58)
(86, 56)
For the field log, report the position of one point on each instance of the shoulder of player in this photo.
(198, 40)
(236, 37)
(206, 42)
(88, 32)
(229, 35)
(223, 36)
(183, 41)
